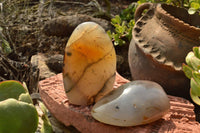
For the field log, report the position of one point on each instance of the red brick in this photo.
(180, 118)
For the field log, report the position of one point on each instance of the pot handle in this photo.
(140, 9)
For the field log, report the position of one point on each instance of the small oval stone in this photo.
(134, 103)
(89, 64)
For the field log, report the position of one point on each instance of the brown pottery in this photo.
(162, 37)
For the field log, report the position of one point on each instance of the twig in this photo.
(71, 2)
(2, 59)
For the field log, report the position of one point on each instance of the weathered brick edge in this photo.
(180, 118)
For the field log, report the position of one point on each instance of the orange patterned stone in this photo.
(89, 64)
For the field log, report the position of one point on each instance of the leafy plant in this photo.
(124, 22)
(194, 6)
(46, 127)
(17, 112)
(192, 71)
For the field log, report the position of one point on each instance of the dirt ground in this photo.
(23, 24)
(23, 30)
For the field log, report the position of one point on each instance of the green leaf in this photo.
(192, 61)
(11, 89)
(196, 51)
(25, 87)
(194, 97)
(195, 5)
(116, 20)
(131, 23)
(109, 34)
(43, 108)
(192, 10)
(6, 47)
(187, 70)
(17, 117)
(119, 29)
(195, 87)
(128, 13)
(25, 97)
(46, 126)
(196, 76)
(116, 37)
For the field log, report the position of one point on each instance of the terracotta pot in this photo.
(162, 37)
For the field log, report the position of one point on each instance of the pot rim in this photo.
(183, 30)
(163, 14)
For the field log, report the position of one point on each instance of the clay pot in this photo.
(162, 37)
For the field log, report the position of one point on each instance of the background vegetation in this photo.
(20, 12)
(124, 22)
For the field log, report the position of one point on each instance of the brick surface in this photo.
(180, 118)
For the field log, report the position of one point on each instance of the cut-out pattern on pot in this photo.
(162, 37)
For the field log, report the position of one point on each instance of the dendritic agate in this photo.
(89, 64)
(134, 103)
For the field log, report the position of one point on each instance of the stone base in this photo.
(180, 118)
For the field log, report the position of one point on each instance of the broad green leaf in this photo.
(192, 10)
(187, 70)
(11, 89)
(195, 87)
(188, 57)
(194, 97)
(196, 51)
(192, 60)
(25, 97)
(17, 117)
(196, 76)
(195, 5)
(25, 87)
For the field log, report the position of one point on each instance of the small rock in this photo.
(63, 26)
(38, 61)
(55, 63)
